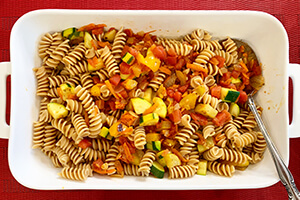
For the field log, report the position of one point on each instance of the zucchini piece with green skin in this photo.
(149, 119)
(229, 95)
(67, 32)
(209, 143)
(202, 167)
(161, 159)
(206, 110)
(148, 95)
(104, 132)
(57, 110)
(154, 145)
(172, 160)
(140, 105)
(88, 40)
(67, 91)
(157, 170)
(128, 58)
(76, 35)
(161, 109)
(234, 109)
(152, 137)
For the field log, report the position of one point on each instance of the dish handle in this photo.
(5, 70)
(294, 73)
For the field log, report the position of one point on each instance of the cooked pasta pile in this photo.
(117, 103)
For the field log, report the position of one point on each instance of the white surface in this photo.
(5, 70)
(262, 31)
(294, 129)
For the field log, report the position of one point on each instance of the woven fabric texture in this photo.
(287, 11)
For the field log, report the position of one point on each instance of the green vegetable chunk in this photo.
(157, 170)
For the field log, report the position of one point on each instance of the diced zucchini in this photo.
(140, 105)
(160, 157)
(57, 110)
(104, 132)
(201, 89)
(66, 33)
(206, 110)
(88, 40)
(234, 109)
(172, 160)
(96, 66)
(154, 145)
(161, 109)
(110, 35)
(229, 95)
(152, 137)
(77, 35)
(235, 80)
(169, 143)
(109, 137)
(128, 58)
(148, 95)
(242, 166)
(201, 148)
(157, 170)
(202, 167)
(149, 119)
(124, 76)
(210, 142)
(66, 91)
(189, 101)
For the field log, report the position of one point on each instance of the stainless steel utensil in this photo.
(283, 171)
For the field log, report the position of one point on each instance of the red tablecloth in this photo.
(287, 11)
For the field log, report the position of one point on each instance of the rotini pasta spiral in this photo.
(245, 139)
(58, 54)
(204, 56)
(38, 134)
(75, 55)
(111, 158)
(157, 80)
(42, 81)
(234, 157)
(146, 163)
(184, 171)
(78, 173)
(213, 154)
(118, 44)
(110, 61)
(221, 169)
(185, 133)
(208, 130)
(139, 137)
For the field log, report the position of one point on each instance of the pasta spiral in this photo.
(157, 80)
(139, 137)
(260, 144)
(118, 44)
(110, 61)
(42, 81)
(185, 133)
(184, 171)
(75, 55)
(221, 169)
(213, 154)
(204, 56)
(78, 173)
(101, 144)
(111, 158)
(131, 170)
(38, 134)
(245, 139)
(65, 127)
(146, 162)
(234, 157)
(74, 106)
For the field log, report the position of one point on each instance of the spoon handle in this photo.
(283, 172)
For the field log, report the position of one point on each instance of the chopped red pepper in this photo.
(221, 118)
(177, 96)
(242, 97)
(115, 79)
(159, 52)
(175, 116)
(199, 119)
(85, 143)
(216, 91)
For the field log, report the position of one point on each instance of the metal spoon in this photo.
(282, 170)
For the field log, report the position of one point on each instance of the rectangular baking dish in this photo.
(262, 31)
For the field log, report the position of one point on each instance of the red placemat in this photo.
(287, 11)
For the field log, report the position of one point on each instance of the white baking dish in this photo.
(262, 31)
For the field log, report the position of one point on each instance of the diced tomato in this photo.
(111, 104)
(98, 31)
(199, 119)
(133, 51)
(96, 79)
(235, 74)
(201, 140)
(177, 96)
(226, 76)
(125, 68)
(221, 118)
(183, 88)
(115, 79)
(231, 86)
(242, 97)
(171, 60)
(245, 78)
(180, 64)
(123, 139)
(171, 52)
(221, 61)
(128, 32)
(175, 116)
(85, 143)
(159, 52)
(216, 91)
(170, 92)
(256, 69)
